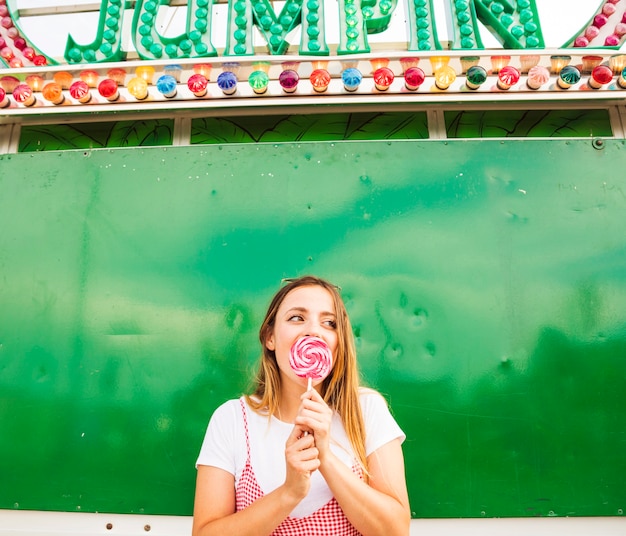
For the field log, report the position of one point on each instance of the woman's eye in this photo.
(295, 318)
(331, 324)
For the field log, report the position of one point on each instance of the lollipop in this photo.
(311, 358)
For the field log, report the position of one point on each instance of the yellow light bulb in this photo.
(445, 77)
(138, 88)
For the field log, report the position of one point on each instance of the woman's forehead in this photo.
(309, 297)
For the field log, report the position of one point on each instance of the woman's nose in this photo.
(311, 330)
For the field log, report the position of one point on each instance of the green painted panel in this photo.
(96, 135)
(486, 282)
(528, 124)
(312, 127)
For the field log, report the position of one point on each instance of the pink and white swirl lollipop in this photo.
(311, 358)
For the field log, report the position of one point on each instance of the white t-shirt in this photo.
(224, 445)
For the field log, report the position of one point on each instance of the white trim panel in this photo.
(36, 523)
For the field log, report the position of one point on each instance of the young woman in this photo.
(287, 461)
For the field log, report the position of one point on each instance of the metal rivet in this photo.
(109, 526)
(147, 528)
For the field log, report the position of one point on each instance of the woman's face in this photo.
(305, 310)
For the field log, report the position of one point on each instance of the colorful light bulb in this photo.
(537, 77)
(445, 77)
(622, 79)
(118, 75)
(53, 92)
(476, 76)
(197, 84)
(377, 63)
(408, 62)
(108, 89)
(9, 83)
(568, 76)
(146, 72)
(528, 61)
(204, 69)
(499, 62)
(467, 62)
(7, 53)
(79, 90)
(288, 80)
(4, 100)
(258, 81)
(320, 79)
(90, 78)
(138, 88)
(24, 94)
(617, 63)
(176, 70)
(508, 76)
(600, 76)
(590, 63)
(35, 81)
(383, 78)
(413, 78)
(438, 62)
(167, 86)
(227, 82)
(29, 53)
(63, 78)
(558, 62)
(351, 78)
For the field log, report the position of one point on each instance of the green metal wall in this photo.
(486, 282)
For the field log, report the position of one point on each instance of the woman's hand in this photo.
(301, 457)
(315, 415)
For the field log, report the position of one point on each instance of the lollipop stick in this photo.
(310, 384)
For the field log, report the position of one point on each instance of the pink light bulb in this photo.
(608, 9)
(23, 94)
(9, 83)
(600, 20)
(79, 90)
(413, 78)
(39, 60)
(6, 22)
(4, 100)
(581, 42)
(508, 76)
(19, 43)
(611, 41)
(28, 53)
(7, 54)
(537, 77)
(592, 32)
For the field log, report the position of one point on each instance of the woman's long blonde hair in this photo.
(340, 389)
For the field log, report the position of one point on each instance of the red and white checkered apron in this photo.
(329, 520)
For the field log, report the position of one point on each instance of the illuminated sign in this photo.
(243, 48)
